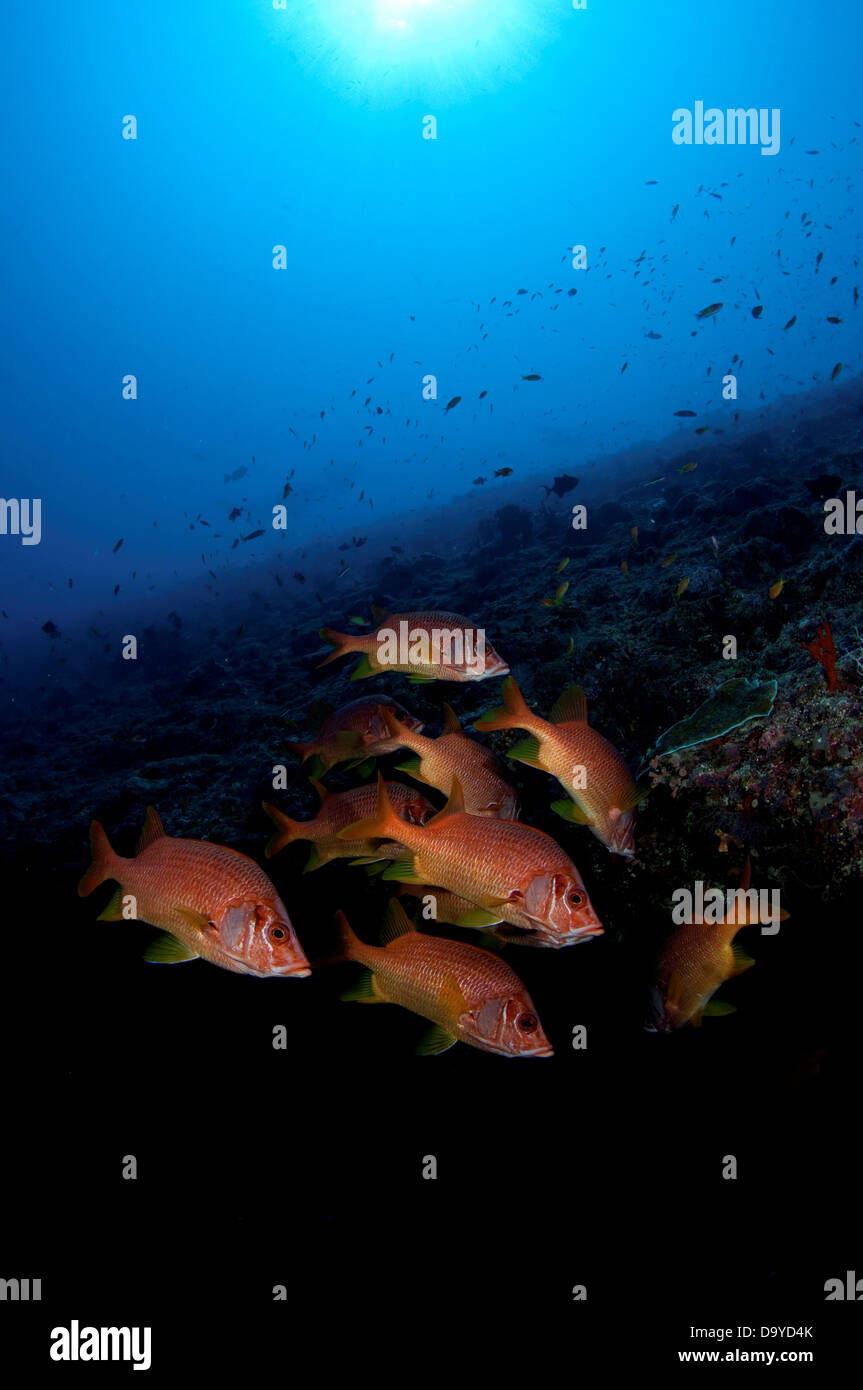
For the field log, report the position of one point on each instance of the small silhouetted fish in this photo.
(561, 486)
(503, 472)
(709, 311)
(483, 393)
(532, 376)
(237, 511)
(117, 546)
(570, 293)
(397, 549)
(277, 579)
(253, 535)
(623, 368)
(51, 628)
(70, 583)
(454, 402)
(116, 590)
(478, 480)
(649, 182)
(237, 473)
(653, 335)
(832, 318)
(211, 572)
(758, 311)
(300, 578)
(286, 490)
(687, 414)
(835, 372)
(791, 322)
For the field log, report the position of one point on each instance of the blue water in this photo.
(258, 127)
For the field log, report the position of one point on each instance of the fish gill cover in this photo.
(413, 411)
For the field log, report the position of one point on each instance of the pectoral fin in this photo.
(571, 812)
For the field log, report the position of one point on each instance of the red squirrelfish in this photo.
(454, 755)
(423, 646)
(212, 902)
(518, 874)
(588, 767)
(467, 994)
(696, 960)
(355, 731)
(339, 809)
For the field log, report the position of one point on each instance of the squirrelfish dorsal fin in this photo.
(451, 723)
(452, 998)
(396, 923)
(153, 829)
(454, 805)
(570, 707)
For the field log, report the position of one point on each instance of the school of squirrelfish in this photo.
(472, 862)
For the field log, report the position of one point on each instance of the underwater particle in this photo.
(776, 589)
(758, 311)
(117, 546)
(822, 649)
(709, 311)
(791, 322)
(253, 535)
(623, 368)
(835, 372)
(452, 404)
(734, 703)
(561, 486)
(51, 628)
(300, 578)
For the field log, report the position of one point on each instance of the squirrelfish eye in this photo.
(278, 933)
(526, 1022)
(576, 899)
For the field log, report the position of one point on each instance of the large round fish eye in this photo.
(527, 1022)
(278, 933)
(576, 899)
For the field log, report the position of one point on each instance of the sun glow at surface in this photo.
(385, 51)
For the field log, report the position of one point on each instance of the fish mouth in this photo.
(300, 971)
